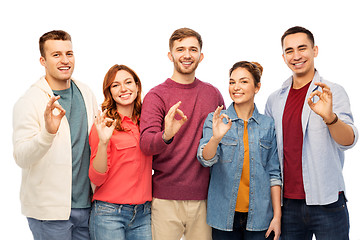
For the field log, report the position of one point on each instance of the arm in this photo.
(219, 129)
(341, 132)
(275, 224)
(273, 168)
(158, 126)
(31, 138)
(104, 132)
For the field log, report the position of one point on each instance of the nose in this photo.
(64, 59)
(187, 53)
(297, 55)
(237, 86)
(122, 88)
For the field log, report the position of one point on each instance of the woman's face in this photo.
(124, 89)
(242, 89)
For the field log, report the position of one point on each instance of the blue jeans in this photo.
(110, 221)
(76, 228)
(327, 222)
(239, 231)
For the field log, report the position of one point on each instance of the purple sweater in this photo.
(177, 173)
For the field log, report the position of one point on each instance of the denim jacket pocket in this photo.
(265, 147)
(228, 146)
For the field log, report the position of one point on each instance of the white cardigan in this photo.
(45, 159)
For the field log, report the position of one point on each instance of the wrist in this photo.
(333, 121)
(167, 140)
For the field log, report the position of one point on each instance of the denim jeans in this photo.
(326, 222)
(110, 221)
(76, 228)
(239, 231)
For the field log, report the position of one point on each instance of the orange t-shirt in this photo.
(242, 202)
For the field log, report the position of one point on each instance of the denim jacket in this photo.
(226, 169)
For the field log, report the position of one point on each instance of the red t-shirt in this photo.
(293, 143)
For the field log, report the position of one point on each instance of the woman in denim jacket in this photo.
(239, 144)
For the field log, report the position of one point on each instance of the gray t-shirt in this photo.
(72, 101)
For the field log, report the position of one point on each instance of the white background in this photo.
(136, 33)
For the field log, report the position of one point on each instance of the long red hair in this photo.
(110, 105)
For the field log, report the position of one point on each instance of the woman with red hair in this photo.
(118, 168)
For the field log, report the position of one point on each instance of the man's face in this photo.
(186, 55)
(59, 60)
(299, 54)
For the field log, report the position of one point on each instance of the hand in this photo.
(104, 126)
(323, 107)
(275, 226)
(219, 127)
(52, 121)
(172, 126)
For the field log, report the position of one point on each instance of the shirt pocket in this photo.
(125, 150)
(265, 147)
(228, 146)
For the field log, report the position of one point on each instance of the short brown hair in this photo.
(182, 33)
(52, 35)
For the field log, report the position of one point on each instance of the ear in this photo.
(316, 51)
(42, 61)
(170, 57)
(201, 57)
(257, 89)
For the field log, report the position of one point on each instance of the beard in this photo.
(181, 69)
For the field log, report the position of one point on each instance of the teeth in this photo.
(64, 68)
(124, 96)
(186, 62)
(297, 64)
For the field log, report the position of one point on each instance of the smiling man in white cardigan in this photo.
(51, 123)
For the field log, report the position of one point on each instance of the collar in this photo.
(233, 116)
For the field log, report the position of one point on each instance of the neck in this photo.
(58, 84)
(301, 80)
(244, 111)
(183, 78)
(126, 110)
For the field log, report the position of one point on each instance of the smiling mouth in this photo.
(125, 95)
(299, 64)
(64, 68)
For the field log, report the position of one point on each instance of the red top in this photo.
(178, 175)
(293, 143)
(128, 176)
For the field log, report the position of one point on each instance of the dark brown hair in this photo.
(52, 35)
(253, 67)
(298, 29)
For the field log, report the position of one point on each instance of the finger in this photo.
(181, 113)
(267, 234)
(172, 110)
(310, 102)
(322, 85)
(218, 109)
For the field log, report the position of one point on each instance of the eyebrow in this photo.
(300, 46)
(231, 79)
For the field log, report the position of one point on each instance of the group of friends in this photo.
(179, 164)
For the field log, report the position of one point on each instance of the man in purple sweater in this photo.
(171, 125)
